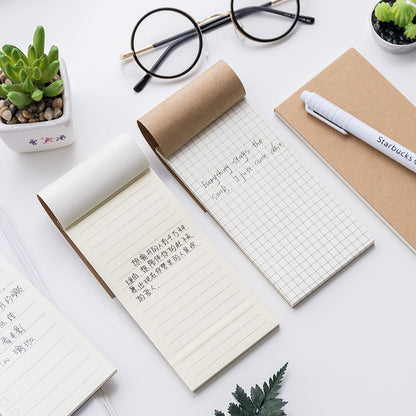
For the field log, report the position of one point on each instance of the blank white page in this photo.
(46, 366)
(279, 214)
(175, 284)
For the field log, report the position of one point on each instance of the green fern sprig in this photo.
(262, 402)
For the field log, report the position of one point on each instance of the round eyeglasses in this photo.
(179, 37)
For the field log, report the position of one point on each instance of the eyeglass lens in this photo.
(175, 39)
(265, 21)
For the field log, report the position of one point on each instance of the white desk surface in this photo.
(350, 346)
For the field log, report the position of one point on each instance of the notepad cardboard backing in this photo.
(353, 84)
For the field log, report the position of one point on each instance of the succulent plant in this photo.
(401, 13)
(30, 75)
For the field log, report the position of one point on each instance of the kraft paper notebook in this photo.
(46, 366)
(147, 250)
(353, 84)
(264, 197)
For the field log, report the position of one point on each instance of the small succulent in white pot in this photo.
(394, 25)
(35, 107)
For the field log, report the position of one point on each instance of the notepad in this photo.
(150, 253)
(353, 84)
(236, 166)
(46, 366)
(12, 249)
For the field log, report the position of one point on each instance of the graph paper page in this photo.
(280, 215)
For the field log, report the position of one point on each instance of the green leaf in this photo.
(244, 401)
(3, 93)
(31, 54)
(257, 395)
(410, 31)
(39, 41)
(19, 99)
(37, 95)
(50, 72)
(53, 54)
(28, 85)
(7, 49)
(37, 74)
(3, 60)
(403, 13)
(234, 410)
(9, 72)
(262, 402)
(44, 63)
(54, 89)
(13, 87)
(384, 12)
(19, 54)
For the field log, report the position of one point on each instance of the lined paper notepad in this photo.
(46, 366)
(282, 217)
(175, 284)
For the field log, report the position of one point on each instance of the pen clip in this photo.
(325, 120)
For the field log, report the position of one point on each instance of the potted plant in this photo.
(35, 107)
(394, 25)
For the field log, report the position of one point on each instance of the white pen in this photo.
(345, 123)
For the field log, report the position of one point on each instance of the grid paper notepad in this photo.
(280, 215)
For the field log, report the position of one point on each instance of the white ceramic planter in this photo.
(390, 47)
(44, 135)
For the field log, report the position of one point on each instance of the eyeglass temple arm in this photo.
(144, 80)
(184, 36)
(309, 20)
(205, 27)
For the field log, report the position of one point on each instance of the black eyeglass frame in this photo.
(204, 26)
(198, 32)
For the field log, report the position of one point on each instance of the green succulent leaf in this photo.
(13, 87)
(3, 60)
(403, 13)
(22, 75)
(53, 53)
(7, 50)
(384, 12)
(10, 73)
(36, 62)
(19, 99)
(44, 63)
(3, 93)
(39, 41)
(28, 85)
(31, 54)
(54, 89)
(16, 52)
(16, 68)
(15, 55)
(410, 31)
(37, 73)
(50, 72)
(37, 95)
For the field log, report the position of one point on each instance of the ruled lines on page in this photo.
(46, 366)
(282, 217)
(171, 279)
